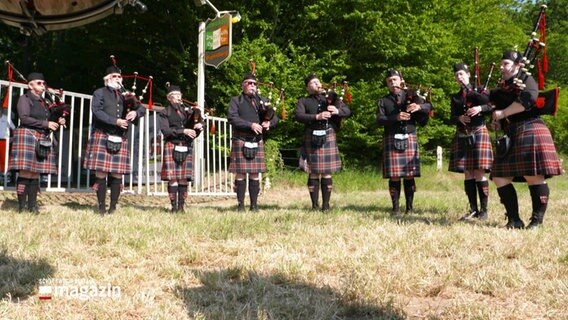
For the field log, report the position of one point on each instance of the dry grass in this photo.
(287, 262)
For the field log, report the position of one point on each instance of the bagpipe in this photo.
(508, 92)
(53, 98)
(334, 94)
(132, 102)
(266, 109)
(193, 115)
(475, 94)
(418, 94)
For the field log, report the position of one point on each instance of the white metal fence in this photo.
(211, 151)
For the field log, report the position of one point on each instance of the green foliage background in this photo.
(355, 40)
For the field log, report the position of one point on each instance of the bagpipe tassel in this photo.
(543, 40)
(347, 94)
(8, 89)
(540, 74)
(283, 114)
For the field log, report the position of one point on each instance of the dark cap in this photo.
(112, 69)
(173, 88)
(249, 76)
(392, 73)
(515, 56)
(35, 76)
(309, 78)
(461, 66)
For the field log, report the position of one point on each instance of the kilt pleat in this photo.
(479, 156)
(172, 171)
(23, 155)
(324, 159)
(401, 163)
(239, 164)
(98, 158)
(532, 152)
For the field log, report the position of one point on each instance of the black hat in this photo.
(173, 88)
(309, 78)
(393, 73)
(249, 76)
(35, 76)
(112, 69)
(515, 56)
(461, 66)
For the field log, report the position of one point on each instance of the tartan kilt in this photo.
(172, 171)
(239, 164)
(97, 157)
(23, 154)
(401, 163)
(532, 152)
(480, 156)
(324, 159)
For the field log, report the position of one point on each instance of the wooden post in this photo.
(439, 158)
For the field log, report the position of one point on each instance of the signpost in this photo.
(214, 48)
(218, 43)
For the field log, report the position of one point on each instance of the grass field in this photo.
(286, 262)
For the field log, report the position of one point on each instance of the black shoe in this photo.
(515, 224)
(34, 209)
(111, 209)
(470, 215)
(325, 208)
(534, 224)
(536, 220)
(409, 211)
(482, 215)
(241, 207)
(253, 207)
(395, 213)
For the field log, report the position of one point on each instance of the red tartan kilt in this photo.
(324, 159)
(532, 152)
(239, 164)
(97, 157)
(172, 171)
(480, 156)
(401, 163)
(23, 155)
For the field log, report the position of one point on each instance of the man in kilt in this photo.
(107, 150)
(248, 117)
(319, 153)
(179, 127)
(26, 157)
(472, 152)
(532, 155)
(399, 117)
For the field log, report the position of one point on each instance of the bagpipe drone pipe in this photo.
(132, 101)
(267, 109)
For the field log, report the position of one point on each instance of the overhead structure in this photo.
(38, 17)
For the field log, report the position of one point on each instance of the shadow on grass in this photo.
(76, 206)
(9, 204)
(19, 278)
(240, 294)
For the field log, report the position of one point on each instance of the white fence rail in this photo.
(211, 152)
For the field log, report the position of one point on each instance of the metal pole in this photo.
(198, 143)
